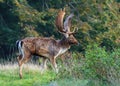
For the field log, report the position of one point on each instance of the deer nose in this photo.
(77, 43)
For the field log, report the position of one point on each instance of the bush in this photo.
(102, 65)
(71, 67)
(99, 67)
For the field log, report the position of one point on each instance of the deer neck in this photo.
(64, 43)
(63, 46)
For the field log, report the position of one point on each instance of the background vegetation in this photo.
(96, 61)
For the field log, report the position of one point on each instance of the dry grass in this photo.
(28, 66)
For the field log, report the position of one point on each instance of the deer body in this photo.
(48, 48)
(45, 47)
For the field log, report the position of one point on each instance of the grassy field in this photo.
(32, 77)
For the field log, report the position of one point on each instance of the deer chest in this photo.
(61, 51)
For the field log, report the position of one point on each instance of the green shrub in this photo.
(71, 67)
(96, 58)
(102, 65)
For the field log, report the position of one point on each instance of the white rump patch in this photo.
(21, 50)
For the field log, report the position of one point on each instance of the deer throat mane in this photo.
(64, 42)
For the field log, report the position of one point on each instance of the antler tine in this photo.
(67, 23)
(75, 30)
(59, 20)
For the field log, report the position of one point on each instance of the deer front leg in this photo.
(54, 65)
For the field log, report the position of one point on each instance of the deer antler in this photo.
(67, 23)
(59, 20)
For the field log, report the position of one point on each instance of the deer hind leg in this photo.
(19, 58)
(21, 61)
(54, 65)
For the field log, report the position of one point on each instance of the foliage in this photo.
(97, 21)
(98, 66)
(102, 64)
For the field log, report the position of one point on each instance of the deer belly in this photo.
(43, 52)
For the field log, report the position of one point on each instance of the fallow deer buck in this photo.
(48, 48)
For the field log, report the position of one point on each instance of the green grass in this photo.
(29, 79)
(32, 76)
(10, 77)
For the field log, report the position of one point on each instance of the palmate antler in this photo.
(67, 24)
(59, 20)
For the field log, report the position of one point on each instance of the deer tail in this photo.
(19, 44)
